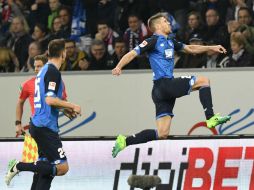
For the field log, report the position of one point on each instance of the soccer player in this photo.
(160, 48)
(44, 122)
(27, 91)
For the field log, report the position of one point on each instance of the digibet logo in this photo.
(205, 169)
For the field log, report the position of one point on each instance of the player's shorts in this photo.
(49, 144)
(166, 90)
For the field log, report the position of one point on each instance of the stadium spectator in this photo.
(33, 50)
(136, 32)
(195, 60)
(54, 6)
(39, 13)
(106, 11)
(40, 34)
(56, 29)
(245, 16)
(10, 10)
(216, 60)
(100, 59)
(106, 34)
(66, 19)
(119, 50)
(248, 37)
(195, 25)
(233, 26)
(8, 61)
(233, 8)
(240, 57)
(133, 36)
(18, 39)
(76, 59)
(215, 31)
(220, 5)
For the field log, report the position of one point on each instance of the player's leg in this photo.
(141, 137)
(163, 126)
(51, 146)
(203, 85)
(163, 117)
(44, 182)
(35, 181)
(41, 167)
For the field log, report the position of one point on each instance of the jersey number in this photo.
(61, 152)
(37, 95)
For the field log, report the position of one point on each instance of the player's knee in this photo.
(163, 134)
(204, 81)
(62, 169)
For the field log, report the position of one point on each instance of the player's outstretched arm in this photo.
(126, 59)
(196, 49)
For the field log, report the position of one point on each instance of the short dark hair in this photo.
(154, 18)
(70, 41)
(67, 9)
(55, 48)
(245, 9)
(42, 27)
(118, 40)
(42, 58)
(103, 22)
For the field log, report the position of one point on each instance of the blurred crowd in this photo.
(99, 32)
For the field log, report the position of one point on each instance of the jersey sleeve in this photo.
(52, 82)
(178, 45)
(146, 46)
(24, 94)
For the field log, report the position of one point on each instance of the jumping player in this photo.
(44, 122)
(160, 48)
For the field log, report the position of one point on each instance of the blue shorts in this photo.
(166, 90)
(49, 144)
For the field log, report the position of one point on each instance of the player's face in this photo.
(38, 64)
(165, 26)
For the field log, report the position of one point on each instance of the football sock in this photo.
(40, 167)
(142, 137)
(205, 97)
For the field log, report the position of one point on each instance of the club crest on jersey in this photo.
(52, 86)
(143, 44)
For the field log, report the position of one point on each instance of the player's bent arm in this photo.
(197, 49)
(58, 103)
(127, 58)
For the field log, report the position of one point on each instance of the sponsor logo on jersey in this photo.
(143, 44)
(52, 86)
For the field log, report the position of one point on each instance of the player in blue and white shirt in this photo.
(44, 123)
(160, 49)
